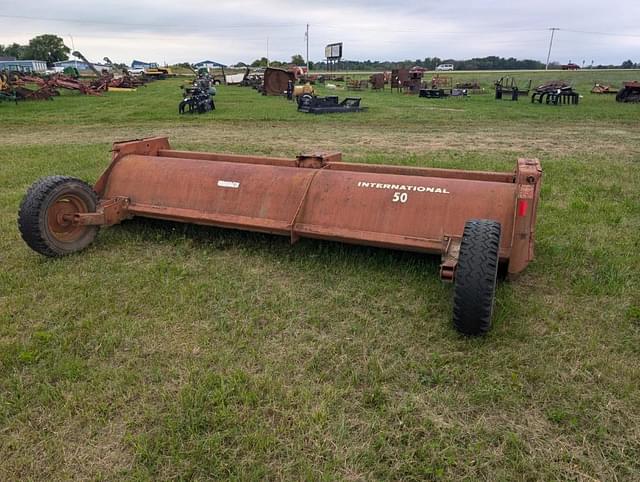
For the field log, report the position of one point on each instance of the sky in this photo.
(170, 31)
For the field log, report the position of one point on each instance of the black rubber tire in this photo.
(34, 210)
(305, 100)
(476, 276)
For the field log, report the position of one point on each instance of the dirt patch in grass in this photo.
(357, 140)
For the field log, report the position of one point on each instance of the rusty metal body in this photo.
(630, 92)
(276, 81)
(319, 196)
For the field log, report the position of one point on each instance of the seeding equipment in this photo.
(474, 220)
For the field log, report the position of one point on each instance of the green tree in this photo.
(13, 50)
(298, 60)
(260, 62)
(627, 64)
(49, 48)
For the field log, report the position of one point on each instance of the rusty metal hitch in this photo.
(110, 212)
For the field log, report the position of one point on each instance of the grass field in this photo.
(167, 351)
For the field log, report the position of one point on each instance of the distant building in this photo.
(139, 64)
(4, 59)
(78, 64)
(23, 65)
(208, 64)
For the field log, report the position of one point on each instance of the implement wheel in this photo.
(475, 277)
(44, 214)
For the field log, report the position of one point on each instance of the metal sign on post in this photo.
(333, 54)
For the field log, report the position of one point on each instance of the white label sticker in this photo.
(231, 184)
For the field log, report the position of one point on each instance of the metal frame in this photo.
(303, 197)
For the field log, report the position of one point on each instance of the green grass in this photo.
(173, 351)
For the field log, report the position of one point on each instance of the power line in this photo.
(610, 34)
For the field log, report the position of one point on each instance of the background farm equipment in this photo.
(398, 78)
(439, 87)
(602, 88)
(472, 87)
(312, 104)
(356, 84)
(434, 93)
(32, 87)
(630, 92)
(473, 220)
(296, 91)
(255, 80)
(555, 92)
(277, 81)
(198, 97)
(507, 88)
(377, 81)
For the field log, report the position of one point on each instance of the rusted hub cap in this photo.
(59, 218)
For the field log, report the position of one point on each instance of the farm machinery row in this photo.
(20, 86)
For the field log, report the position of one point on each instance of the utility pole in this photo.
(73, 47)
(553, 30)
(306, 36)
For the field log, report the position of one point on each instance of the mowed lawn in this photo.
(167, 351)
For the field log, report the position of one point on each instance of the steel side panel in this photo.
(336, 201)
(332, 203)
(263, 192)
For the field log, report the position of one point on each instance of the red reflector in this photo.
(523, 204)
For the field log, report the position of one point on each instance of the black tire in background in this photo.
(40, 218)
(475, 277)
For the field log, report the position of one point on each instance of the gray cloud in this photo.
(231, 31)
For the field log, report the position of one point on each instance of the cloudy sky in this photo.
(231, 31)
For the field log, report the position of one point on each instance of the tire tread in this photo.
(475, 277)
(31, 210)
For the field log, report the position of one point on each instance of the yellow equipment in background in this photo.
(299, 90)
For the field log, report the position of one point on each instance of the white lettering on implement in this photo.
(403, 187)
(231, 184)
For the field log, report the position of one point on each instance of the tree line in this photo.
(49, 48)
(491, 62)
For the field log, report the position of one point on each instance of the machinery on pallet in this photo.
(555, 92)
(630, 92)
(312, 104)
(507, 88)
(434, 93)
(602, 88)
(441, 86)
(475, 221)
